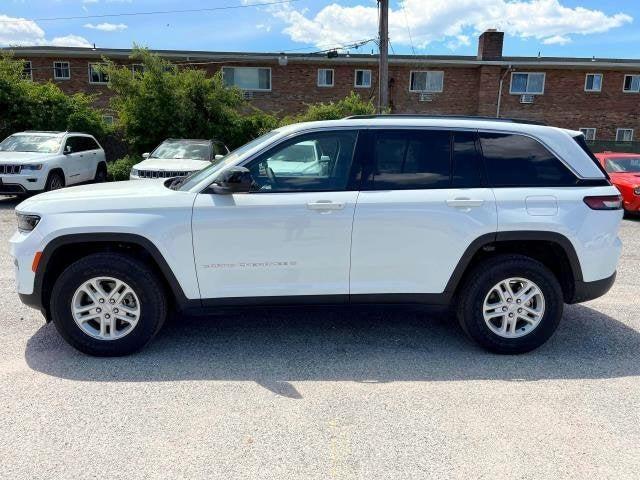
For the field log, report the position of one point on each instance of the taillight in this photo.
(604, 202)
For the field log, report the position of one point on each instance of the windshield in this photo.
(183, 149)
(229, 159)
(622, 164)
(31, 143)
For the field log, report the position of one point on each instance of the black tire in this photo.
(143, 281)
(101, 173)
(55, 180)
(479, 283)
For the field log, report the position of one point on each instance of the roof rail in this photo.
(43, 131)
(446, 117)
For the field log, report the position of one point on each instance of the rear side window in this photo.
(519, 161)
(89, 143)
(467, 164)
(409, 159)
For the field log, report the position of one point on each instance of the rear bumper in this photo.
(585, 291)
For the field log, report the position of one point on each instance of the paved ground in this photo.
(324, 394)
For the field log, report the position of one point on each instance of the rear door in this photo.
(423, 202)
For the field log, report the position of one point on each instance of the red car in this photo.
(624, 170)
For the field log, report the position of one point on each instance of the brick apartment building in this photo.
(600, 96)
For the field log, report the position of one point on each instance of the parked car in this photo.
(503, 220)
(32, 162)
(624, 171)
(178, 158)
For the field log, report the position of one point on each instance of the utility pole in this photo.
(383, 64)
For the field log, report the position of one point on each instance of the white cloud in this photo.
(430, 21)
(263, 27)
(20, 31)
(89, 1)
(106, 27)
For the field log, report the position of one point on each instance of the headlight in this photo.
(26, 223)
(134, 171)
(34, 166)
(636, 191)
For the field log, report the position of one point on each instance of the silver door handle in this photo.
(325, 205)
(464, 203)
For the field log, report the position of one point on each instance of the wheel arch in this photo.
(63, 250)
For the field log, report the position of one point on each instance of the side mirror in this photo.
(218, 157)
(325, 158)
(233, 180)
(145, 155)
(67, 150)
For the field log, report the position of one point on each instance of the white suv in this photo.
(32, 162)
(504, 220)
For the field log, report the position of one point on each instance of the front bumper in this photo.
(585, 291)
(21, 183)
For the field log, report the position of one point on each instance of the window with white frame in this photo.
(593, 82)
(624, 135)
(247, 78)
(589, 134)
(108, 119)
(96, 74)
(631, 84)
(61, 71)
(529, 83)
(426, 81)
(363, 79)
(325, 77)
(27, 71)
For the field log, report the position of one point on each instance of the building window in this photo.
(137, 68)
(593, 82)
(363, 79)
(589, 134)
(27, 71)
(624, 135)
(426, 81)
(325, 77)
(631, 84)
(108, 119)
(247, 78)
(527, 83)
(61, 71)
(96, 75)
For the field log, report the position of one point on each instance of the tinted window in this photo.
(314, 162)
(409, 159)
(467, 165)
(89, 144)
(519, 161)
(74, 145)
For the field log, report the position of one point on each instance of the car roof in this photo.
(49, 133)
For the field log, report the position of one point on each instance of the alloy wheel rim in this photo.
(105, 308)
(56, 183)
(513, 307)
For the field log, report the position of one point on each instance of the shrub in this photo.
(352, 104)
(121, 168)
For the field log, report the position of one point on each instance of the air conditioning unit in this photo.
(426, 97)
(527, 98)
(247, 94)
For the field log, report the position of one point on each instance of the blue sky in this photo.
(581, 28)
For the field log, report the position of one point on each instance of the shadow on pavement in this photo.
(9, 203)
(275, 347)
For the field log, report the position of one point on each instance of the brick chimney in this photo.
(490, 45)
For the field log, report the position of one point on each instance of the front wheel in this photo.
(510, 304)
(108, 304)
(55, 181)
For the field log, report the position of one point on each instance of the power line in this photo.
(406, 21)
(157, 12)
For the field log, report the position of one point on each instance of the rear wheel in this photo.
(510, 304)
(101, 173)
(108, 304)
(55, 181)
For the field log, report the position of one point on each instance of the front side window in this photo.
(518, 161)
(408, 160)
(631, 84)
(593, 82)
(75, 145)
(325, 77)
(247, 78)
(30, 143)
(623, 164)
(183, 149)
(96, 75)
(589, 134)
(314, 162)
(527, 83)
(427, 81)
(363, 79)
(624, 135)
(61, 71)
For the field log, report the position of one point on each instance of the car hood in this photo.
(23, 157)
(112, 196)
(170, 165)
(627, 177)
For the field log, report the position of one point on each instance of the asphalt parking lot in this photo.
(372, 394)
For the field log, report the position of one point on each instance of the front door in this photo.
(422, 204)
(74, 163)
(291, 235)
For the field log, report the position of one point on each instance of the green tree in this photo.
(26, 105)
(352, 104)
